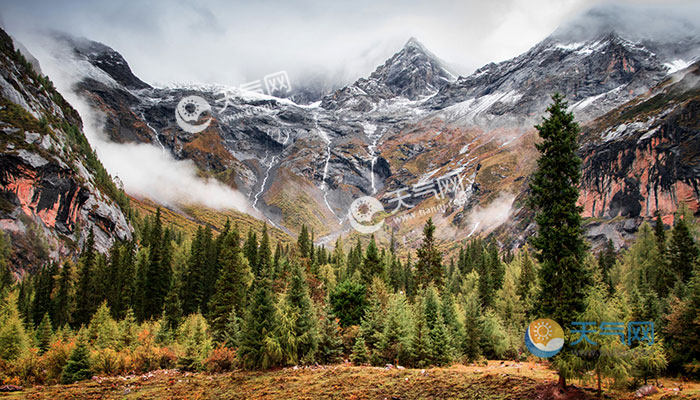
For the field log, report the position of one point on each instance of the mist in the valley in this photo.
(490, 216)
(144, 169)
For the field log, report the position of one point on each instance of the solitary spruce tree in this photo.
(554, 191)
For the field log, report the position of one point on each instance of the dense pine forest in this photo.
(236, 300)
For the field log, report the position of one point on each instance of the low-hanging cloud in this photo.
(145, 170)
(148, 171)
(484, 219)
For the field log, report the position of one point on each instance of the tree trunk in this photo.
(562, 382)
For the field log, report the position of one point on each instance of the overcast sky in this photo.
(233, 42)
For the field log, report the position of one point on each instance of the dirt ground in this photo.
(497, 380)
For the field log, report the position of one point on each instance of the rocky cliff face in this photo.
(53, 190)
(411, 122)
(644, 156)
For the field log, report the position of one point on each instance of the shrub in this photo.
(109, 362)
(54, 360)
(221, 359)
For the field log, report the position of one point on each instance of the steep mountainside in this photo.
(644, 156)
(53, 189)
(409, 124)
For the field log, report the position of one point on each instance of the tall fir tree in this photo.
(43, 288)
(683, 252)
(231, 288)
(264, 256)
(64, 300)
(304, 243)
(559, 240)
(193, 286)
(87, 295)
(429, 265)
(330, 343)
(44, 333)
(6, 278)
(304, 325)
(259, 346)
(606, 262)
(372, 262)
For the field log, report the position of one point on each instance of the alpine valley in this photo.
(407, 124)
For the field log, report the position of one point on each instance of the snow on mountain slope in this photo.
(307, 163)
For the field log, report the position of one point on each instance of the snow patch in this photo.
(677, 65)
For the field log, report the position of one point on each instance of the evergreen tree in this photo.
(559, 240)
(304, 244)
(210, 267)
(527, 282)
(360, 354)
(372, 263)
(429, 264)
(683, 252)
(421, 345)
(103, 331)
(64, 301)
(264, 262)
(172, 310)
(660, 233)
(452, 324)
(554, 192)
(231, 288)
(472, 331)
(126, 280)
(395, 342)
(128, 329)
(348, 302)
(43, 288)
(302, 316)
(78, 366)
(409, 282)
(44, 334)
(87, 295)
(6, 278)
(330, 344)
(14, 340)
(193, 336)
(439, 350)
(158, 273)
(372, 324)
(232, 332)
(354, 259)
(396, 271)
(259, 347)
(140, 301)
(194, 277)
(494, 340)
(606, 262)
(608, 358)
